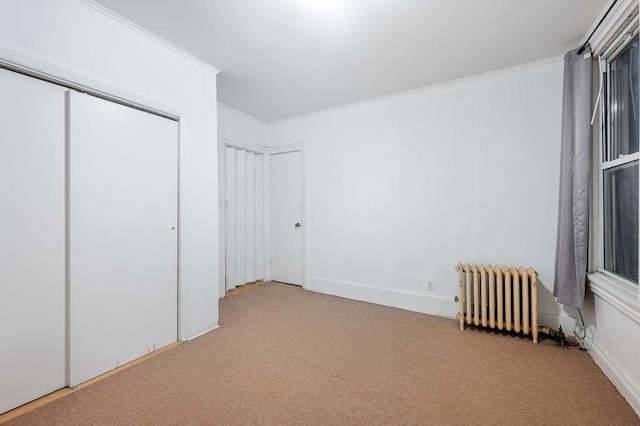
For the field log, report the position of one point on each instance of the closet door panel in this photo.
(244, 251)
(251, 218)
(32, 239)
(230, 224)
(122, 236)
(241, 218)
(260, 217)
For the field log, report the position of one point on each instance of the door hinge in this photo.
(270, 262)
(226, 204)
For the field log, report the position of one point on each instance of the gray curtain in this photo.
(575, 167)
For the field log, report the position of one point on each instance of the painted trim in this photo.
(241, 113)
(54, 74)
(620, 43)
(616, 294)
(182, 289)
(222, 218)
(413, 92)
(412, 301)
(107, 12)
(625, 159)
(284, 149)
(203, 332)
(620, 379)
(67, 245)
(416, 302)
(240, 144)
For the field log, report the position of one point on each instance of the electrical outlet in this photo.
(431, 285)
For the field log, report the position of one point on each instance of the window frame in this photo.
(609, 56)
(615, 289)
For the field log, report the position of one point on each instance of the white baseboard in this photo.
(621, 380)
(415, 302)
(195, 336)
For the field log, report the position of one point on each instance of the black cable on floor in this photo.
(584, 329)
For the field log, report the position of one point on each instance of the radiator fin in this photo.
(504, 297)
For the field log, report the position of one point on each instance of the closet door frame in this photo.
(49, 72)
(225, 142)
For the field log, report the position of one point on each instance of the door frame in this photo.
(285, 149)
(224, 142)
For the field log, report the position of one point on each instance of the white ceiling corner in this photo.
(282, 58)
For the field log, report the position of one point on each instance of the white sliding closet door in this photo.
(32, 239)
(122, 237)
(244, 257)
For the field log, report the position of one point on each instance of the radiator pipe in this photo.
(558, 335)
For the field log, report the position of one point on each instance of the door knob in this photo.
(297, 225)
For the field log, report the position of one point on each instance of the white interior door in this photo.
(286, 217)
(244, 217)
(122, 236)
(32, 239)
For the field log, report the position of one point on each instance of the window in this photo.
(619, 170)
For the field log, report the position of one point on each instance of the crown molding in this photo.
(222, 105)
(422, 89)
(107, 12)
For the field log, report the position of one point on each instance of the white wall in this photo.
(401, 189)
(611, 313)
(242, 127)
(80, 42)
(613, 337)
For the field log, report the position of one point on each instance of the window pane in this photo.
(621, 220)
(624, 107)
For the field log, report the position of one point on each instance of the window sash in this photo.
(629, 158)
(622, 41)
(626, 283)
(612, 241)
(601, 225)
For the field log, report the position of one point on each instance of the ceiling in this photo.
(281, 58)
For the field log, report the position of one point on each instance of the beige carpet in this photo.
(286, 356)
